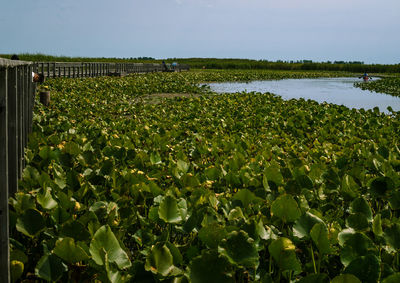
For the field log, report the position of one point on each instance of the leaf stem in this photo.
(270, 265)
(313, 259)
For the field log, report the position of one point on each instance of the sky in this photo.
(318, 30)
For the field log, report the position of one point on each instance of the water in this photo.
(332, 90)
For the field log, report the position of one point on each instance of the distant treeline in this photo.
(355, 66)
(215, 63)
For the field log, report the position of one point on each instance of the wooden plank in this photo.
(12, 105)
(4, 217)
(20, 88)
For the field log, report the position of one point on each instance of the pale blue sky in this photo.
(350, 30)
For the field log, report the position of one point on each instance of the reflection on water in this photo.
(332, 90)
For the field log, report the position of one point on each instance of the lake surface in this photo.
(332, 90)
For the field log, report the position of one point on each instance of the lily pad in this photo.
(50, 268)
(240, 249)
(104, 239)
(286, 208)
(283, 252)
(69, 251)
(210, 267)
(30, 222)
(169, 210)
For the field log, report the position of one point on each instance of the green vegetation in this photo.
(215, 188)
(305, 65)
(240, 64)
(388, 85)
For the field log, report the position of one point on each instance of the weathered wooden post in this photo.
(44, 97)
(12, 105)
(20, 99)
(4, 217)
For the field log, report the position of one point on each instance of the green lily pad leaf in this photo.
(240, 249)
(236, 214)
(44, 152)
(349, 188)
(113, 274)
(18, 255)
(212, 234)
(384, 152)
(358, 221)
(70, 252)
(392, 236)
(305, 182)
(46, 200)
(344, 235)
(50, 268)
(286, 208)
(100, 209)
(273, 174)
(304, 224)
(394, 278)
(30, 222)
(315, 278)
(212, 173)
(182, 166)
(245, 196)
(394, 200)
(160, 260)
(155, 158)
(283, 252)
(75, 230)
(210, 267)
(366, 268)
(360, 205)
(381, 186)
(72, 148)
(377, 225)
(355, 246)
(176, 254)
(169, 210)
(104, 239)
(319, 234)
(346, 278)
(16, 270)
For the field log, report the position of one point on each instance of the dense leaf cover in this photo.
(213, 188)
(387, 85)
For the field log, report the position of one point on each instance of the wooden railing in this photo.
(79, 70)
(16, 111)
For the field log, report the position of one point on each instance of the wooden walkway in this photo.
(82, 70)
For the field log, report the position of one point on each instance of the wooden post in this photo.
(44, 97)
(48, 69)
(20, 88)
(4, 221)
(12, 105)
(54, 70)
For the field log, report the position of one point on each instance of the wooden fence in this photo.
(79, 70)
(17, 97)
(16, 111)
